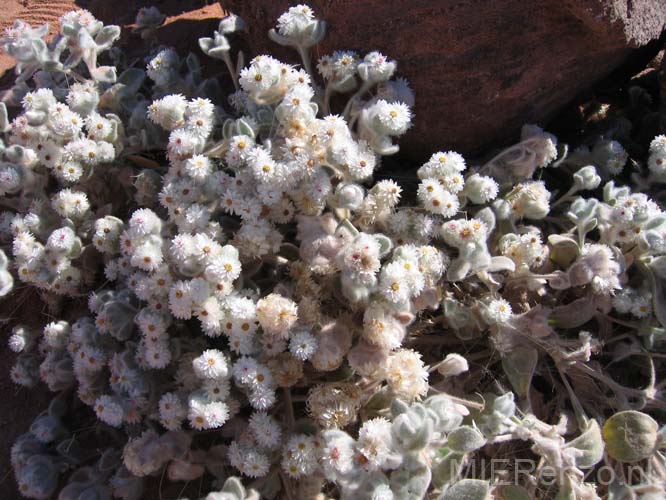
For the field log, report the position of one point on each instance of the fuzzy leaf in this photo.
(519, 366)
(411, 480)
(106, 36)
(465, 439)
(630, 436)
(385, 244)
(467, 489)
(447, 469)
(511, 492)
(590, 445)
(245, 129)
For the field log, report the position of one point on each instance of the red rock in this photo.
(480, 68)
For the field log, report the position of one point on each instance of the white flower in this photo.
(295, 20)
(262, 74)
(262, 397)
(198, 167)
(225, 266)
(180, 300)
(168, 112)
(70, 204)
(374, 442)
(212, 364)
(277, 314)
(302, 345)
(387, 193)
(392, 118)
(109, 410)
(62, 240)
(299, 457)
(498, 311)
(255, 464)
(216, 389)
(172, 411)
(481, 189)
(337, 455)
(265, 430)
(407, 375)
(207, 415)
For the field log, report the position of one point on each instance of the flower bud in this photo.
(454, 364)
(587, 178)
(349, 196)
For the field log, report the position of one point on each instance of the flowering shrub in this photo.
(260, 306)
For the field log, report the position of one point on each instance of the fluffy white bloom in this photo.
(207, 415)
(299, 457)
(109, 410)
(407, 375)
(392, 118)
(337, 455)
(596, 266)
(295, 20)
(62, 240)
(216, 389)
(302, 345)
(441, 164)
(374, 443)
(498, 311)
(172, 411)
(212, 364)
(277, 314)
(481, 189)
(265, 429)
(70, 204)
(168, 112)
(262, 397)
(180, 300)
(262, 74)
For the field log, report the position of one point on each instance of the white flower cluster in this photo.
(255, 284)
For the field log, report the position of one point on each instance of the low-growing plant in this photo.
(263, 303)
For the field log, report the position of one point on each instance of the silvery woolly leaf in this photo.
(630, 436)
(447, 469)
(412, 430)
(512, 492)
(590, 446)
(519, 366)
(465, 439)
(4, 118)
(500, 263)
(385, 244)
(104, 74)
(411, 480)
(458, 270)
(658, 266)
(206, 44)
(398, 407)
(281, 40)
(245, 128)
(467, 489)
(658, 289)
(106, 36)
(230, 24)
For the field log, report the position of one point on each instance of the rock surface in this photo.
(480, 68)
